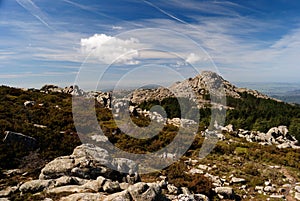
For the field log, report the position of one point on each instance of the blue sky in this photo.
(52, 41)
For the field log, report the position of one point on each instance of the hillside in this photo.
(42, 156)
(202, 85)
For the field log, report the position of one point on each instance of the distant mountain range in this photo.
(287, 92)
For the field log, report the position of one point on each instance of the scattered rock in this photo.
(185, 191)
(297, 196)
(8, 191)
(172, 189)
(84, 196)
(277, 196)
(204, 167)
(227, 192)
(95, 185)
(297, 188)
(270, 189)
(125, 165)
(68, 189)
(35, 186)
(27, 142)
(145, 192)
(4, 199)
(60, 166)
(111, 186)
(29, 103)
(268, 183)
(235, 180)
(88, 162)
(195, 171)
(124, 185)
(195, 197)
(286, 185)
(66, 180)
(121, 196)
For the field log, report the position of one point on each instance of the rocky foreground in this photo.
(90, 173)
(85, 175)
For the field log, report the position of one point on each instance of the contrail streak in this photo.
(35, 11)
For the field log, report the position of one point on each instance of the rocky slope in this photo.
(90, 173)
(199, 88)
(203, 84)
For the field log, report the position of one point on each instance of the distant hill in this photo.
(287, 92)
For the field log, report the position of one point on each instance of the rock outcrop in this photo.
(202, 85)
(197, 89)
(89, 162)
(278, 136)
(27, 142)
(90, 174)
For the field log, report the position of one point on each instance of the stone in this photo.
(132, 179)
(125, 165)
(203, 167)
(284, 145)
(88, 162)
(172, 189)
(283, 130)
(74, 90)
(121, 196)
(281, 190)
(97, 154)
(8, 191)
(51, 88)
(215, 179)
(35, 186)
(68, 189)
(268, 183)
(145, 192)
(4, 199)
(200, 197)
(185, 191)
(162, 184)
(235, 180)
(12, 172)
(83, 196)
(124, 185)
(95, 185)
(65, 180)
(277, 196)
(111, 186)
(27, 142)
(221, 136)
(60, 166)
(227, 192)
(195, 197)
(29, 103)
(270, 189)
(286, 185)
(297, 188)
(195, 171)
(297, 196)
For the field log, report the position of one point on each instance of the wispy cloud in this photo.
(30, 74)
(235, 42)
(35, 11)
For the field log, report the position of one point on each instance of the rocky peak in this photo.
(207, 82)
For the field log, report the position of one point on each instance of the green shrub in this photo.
(196, 183)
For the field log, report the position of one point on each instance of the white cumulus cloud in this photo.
(109, 49)
(192, 58)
